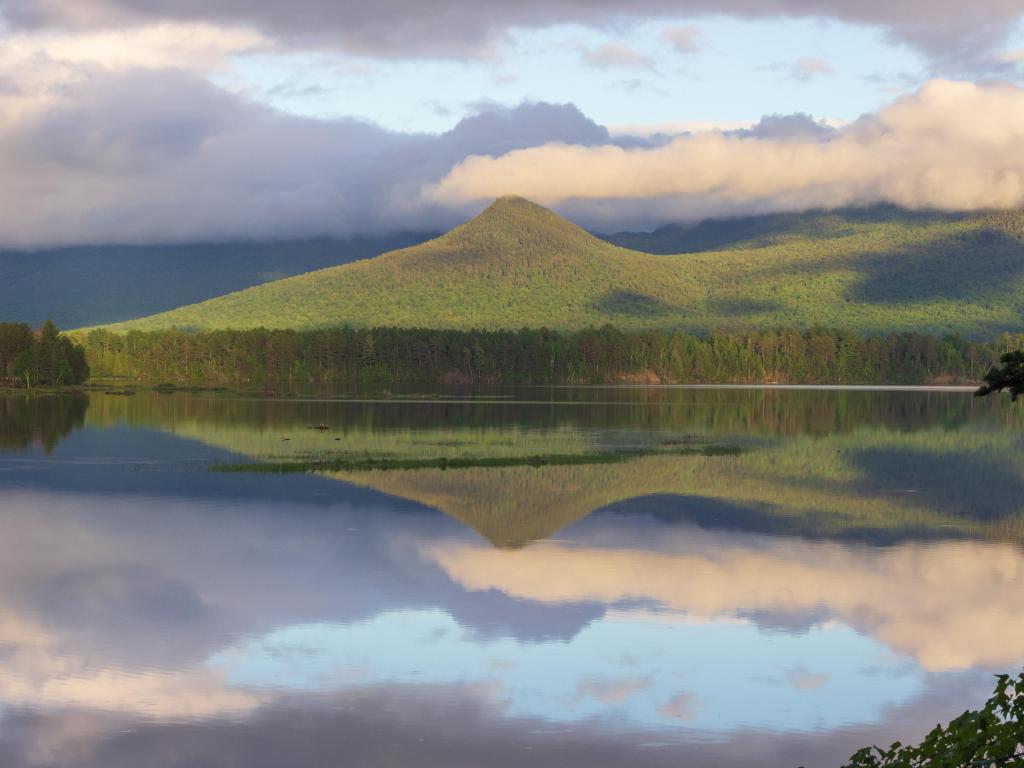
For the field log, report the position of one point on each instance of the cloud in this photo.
(950, 605)
(157, 155)
(807, 68)
(795, 126)
(434, 728)
(682, 706)
(614, 690)
(686, 40)
(803, 680)
(616, 55)
(950, 31)
(499, 129)
(39, 674)
(803, 69)
(952, 145)
(199, 47)
(678, 128)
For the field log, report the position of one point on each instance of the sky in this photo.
(144, 121)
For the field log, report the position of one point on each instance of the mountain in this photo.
(518, 264)
(91, 285)
(771, 229)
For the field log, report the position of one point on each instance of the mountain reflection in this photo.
(782, 606)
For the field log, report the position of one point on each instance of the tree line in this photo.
(539, 356)
(43, 358)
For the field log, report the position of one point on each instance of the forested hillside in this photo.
(520, 265)
(104, 284)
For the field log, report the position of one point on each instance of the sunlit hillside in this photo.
(518, 264)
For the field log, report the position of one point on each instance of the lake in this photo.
(539, 577)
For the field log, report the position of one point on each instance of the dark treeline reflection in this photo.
(595, 355)
(722, 412)
(39, 419)
(46, 419)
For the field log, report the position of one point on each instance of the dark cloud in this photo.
(949, 31)
(146, 156)
(497, 130)
(795, 126)
(129, 123)
(430, 727)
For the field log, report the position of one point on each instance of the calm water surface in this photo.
(686, 578)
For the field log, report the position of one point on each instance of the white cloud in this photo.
(616, 55)
(949, 605)
(42, 68)
(804, 69)
(194, 46)
(951, 145)
(809, 67)
(676, 128)
(688, 39)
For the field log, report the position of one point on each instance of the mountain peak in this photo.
(514, 205)
(513, 224)
(513, 201)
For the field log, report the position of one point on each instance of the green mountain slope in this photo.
(518, 264)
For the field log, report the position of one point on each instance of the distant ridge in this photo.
(518, 264)
(89, 285)
(765, 229)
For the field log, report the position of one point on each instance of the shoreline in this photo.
(783, 387)
(466, 393)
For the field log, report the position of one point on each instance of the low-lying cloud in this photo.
(952, 145)
(150, 153)
(159, 155)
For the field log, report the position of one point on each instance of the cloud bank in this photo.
(952, 145)
(140, 150)
(157, 154)
(952, 606)
(946, 30)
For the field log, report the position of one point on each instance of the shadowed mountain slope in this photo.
(772, 229)
(89, 285)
